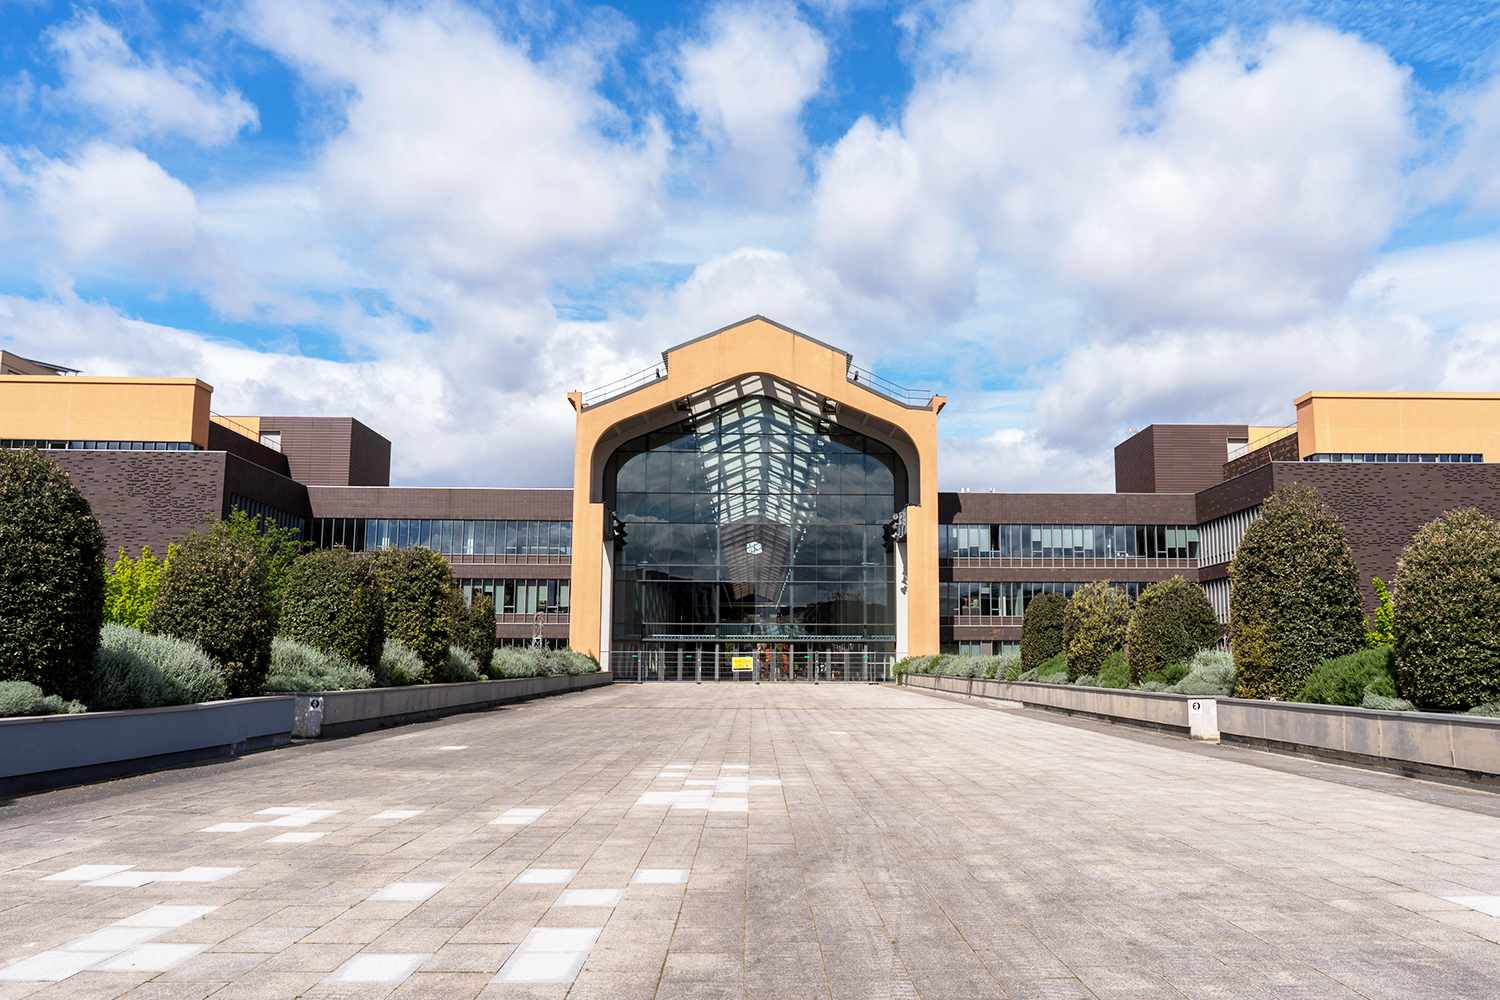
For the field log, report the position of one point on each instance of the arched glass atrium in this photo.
(757, 537)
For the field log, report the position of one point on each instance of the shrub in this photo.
(1094, 624)
(1053, 670)
(1042, 629)
(1172, 620)
(1384, 704)
(399, 665)
(475, 628)
(1009, 667)
(216, 592)
(511, 661)
(279, 546)
(1087, 680)
(298, 666)
(1210, 671)
(1294, 601)
(1489, 711)
(135, 670)
(1447, 615)
(51, 577)
(130, 589)
(331, 601)
(461, 666)
(1115, 673)
(24, 698)
(1380, 630)
(1346, 680)
(1165, 676)
(420, 609)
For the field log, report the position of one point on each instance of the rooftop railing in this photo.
(628, 383)
(890, 390)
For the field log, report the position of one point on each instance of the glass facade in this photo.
(1007, 599)
(97, 445)
(261, 509)
(519, 597)
(1068, 541)
(1394, 456)
(501, 540)
(755, 522)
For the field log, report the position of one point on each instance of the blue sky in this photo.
(1073, 218)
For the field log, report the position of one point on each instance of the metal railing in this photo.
(509, 558)
(890, 390)
(1060, 562)
(986, 621)
(627, 383)
(639, 666)
(530, 618)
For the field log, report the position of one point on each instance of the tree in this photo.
(1094, 624)
(279, 546)
(1172, 620)
(1447, 613)
(1042, 630)
(420, 610)
(475, 630)
(51, 577)
(1381, 628)
(216, 591)
(1294, 599)
(131, 587)
(332, 601)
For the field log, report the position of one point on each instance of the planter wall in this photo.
(342, 713)
(1418, 743)
(57, 750)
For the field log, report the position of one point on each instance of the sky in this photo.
(1073, 219)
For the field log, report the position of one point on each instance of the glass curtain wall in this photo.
(755, 522)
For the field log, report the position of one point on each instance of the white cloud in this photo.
(1471, 176)
(746, 82)
(139, 97)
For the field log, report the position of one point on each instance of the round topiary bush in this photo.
(1295, 598)
(133, 669)
(1042, 630)
(1172, 620)
(1447, 621)
(216, 592)
(51, 577)
(1094, 624)
(331, 601)
(420, 609)
(461, 666)
(475, 629)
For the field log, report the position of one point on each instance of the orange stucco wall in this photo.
(756, 346)
(1338, 422)
(91, 408)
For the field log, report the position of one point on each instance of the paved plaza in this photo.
(678, 841)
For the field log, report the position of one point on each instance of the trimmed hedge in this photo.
(1042, 629)
(298, 666)
(51, 577)
(20, 698)
(1094, 625)
(1295, 597)
(331, 601)
(1172, 620)
(420, 608)
(1346, 680)
(1447, 613)
(216, 592)
(474, 631)
(135, 670)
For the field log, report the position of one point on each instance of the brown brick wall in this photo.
(1281, 450)
(147, 497)
(258, 483)
(443, 502)
(221, 438)
(332, 451)
(1066, 508)
(1135, 463)
(369, 457)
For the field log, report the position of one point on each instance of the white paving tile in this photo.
(734, 767)
(281, 810)
(660, 876)
(198, 874)
(296, 838)
(151, 957)
(398, 814)
(85, 873)
(560, 939)
(407, 892)
(542, 966)
(519, 817)
(133, 879)
(590, 897)
(230, 827)
(460, 746)
(112, 939)
(373, 967)
(546, 876)
(1489, 905)
(165, 916)
(689, 797)
(51, 966)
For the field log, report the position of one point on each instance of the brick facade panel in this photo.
(147, 497)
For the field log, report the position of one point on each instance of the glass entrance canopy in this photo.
(754, 522)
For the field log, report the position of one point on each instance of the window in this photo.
(271, 439)
(473, 540)
(1068, 542)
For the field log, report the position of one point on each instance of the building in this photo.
(758, 500)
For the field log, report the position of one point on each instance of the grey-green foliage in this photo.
(133, 669)
(18, 698)
(1489, 710)
(296, 666)
(1087, 680)
(1151, 686)
(1009, 667)
(513, 661)
(399, 665)
(1210, 671)
(461, 666)
(1385, 704)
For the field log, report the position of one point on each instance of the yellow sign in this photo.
(738, 663)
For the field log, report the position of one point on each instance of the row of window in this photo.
(1007, 599)
(646, 608)
(519, 597)
(450, 537)
(1068, 541)
(48, 445)
(1394, 456)
(261, 509)
(726, 508)
(982, 647)
(770, 472)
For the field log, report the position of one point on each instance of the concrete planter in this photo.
(343, 713)
(1427, 744)
(57, 750)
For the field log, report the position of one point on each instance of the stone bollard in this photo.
(308, 723)
(1203, 719)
